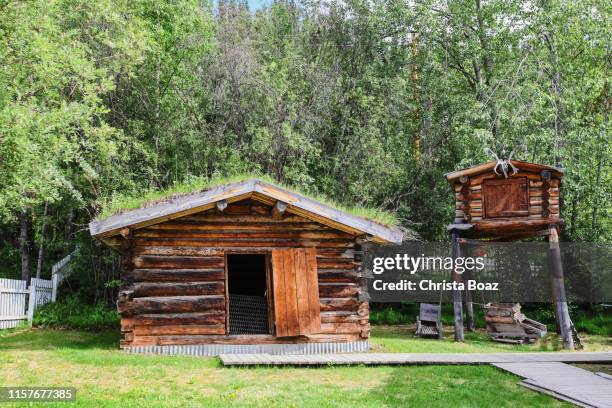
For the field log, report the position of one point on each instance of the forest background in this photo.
(366, 102)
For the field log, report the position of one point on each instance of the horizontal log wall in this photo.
(174, 276)
(543, 200)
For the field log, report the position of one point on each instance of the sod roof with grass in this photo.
(185, 199)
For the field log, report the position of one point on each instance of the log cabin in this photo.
(243, 267)
(496, 205)
(522, 205)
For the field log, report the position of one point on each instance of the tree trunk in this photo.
(555, 84)
(68, 226)
(414, 76)
(457, 294)
(488, 72)
(562, 317)
(596, 204)
(595, 221)
(23, 246)
(41, 248)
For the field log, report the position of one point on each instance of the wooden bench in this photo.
(429, 322)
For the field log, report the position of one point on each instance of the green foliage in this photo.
(587, 319)
(390, 316)
(103, 103)
(591, 320)
(401, 313)
(52, 115)
(71, 312)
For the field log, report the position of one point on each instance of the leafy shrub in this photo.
(70, 312)
(589, 319)
(586, 318)
(595, 321)
(390, 316)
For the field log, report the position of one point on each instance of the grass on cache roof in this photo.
(125, 202)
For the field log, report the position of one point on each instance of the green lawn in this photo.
(401, 339)
(105, 376)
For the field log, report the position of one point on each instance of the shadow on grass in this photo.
(45, 339)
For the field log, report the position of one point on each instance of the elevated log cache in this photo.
(523, 205)
(174, 280)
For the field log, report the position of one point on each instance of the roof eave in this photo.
(489, 166)
(332, 216)
(170, 209)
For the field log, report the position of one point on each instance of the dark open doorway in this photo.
(247, 289)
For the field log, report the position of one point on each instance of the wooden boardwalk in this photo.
(411, 358)
(565, 382)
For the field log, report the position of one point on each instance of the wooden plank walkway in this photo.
(412, 358)
(565, 382)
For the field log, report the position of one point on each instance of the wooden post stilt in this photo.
(558, 286)
(469, 311)
(469, 306)
(554, 302)
(457, 301)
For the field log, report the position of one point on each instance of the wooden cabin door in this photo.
(506, 197)
(296, 291)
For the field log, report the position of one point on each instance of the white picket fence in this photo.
(40, 294)
(14, 309)
(12, 302)
(59, 272)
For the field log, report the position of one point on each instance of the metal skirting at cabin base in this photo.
(211, 350)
